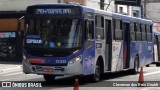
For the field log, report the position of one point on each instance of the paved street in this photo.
(14, 73)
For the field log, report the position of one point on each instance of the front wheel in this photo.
(96, 76)
(49, 78)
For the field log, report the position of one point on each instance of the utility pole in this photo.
(59, 1)
(144, 9)
(102, 4)
(116, 8)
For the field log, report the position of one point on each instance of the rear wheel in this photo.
(147, 65)
(157, 64)
(49, 78)
(136, 66)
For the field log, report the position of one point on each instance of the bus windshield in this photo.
(55, 33)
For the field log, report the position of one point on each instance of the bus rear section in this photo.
(156, 49)
(133, 41)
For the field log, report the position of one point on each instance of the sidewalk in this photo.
(8, 65)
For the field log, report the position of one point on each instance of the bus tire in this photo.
(96, 76)
(157, 64)
(147, 65)
(49, 78)
(136, 66)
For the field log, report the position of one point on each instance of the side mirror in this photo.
(19, 25)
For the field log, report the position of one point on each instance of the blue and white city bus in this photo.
(71, 39)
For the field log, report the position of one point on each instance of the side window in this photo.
(138, 32)
(108, 31)
(118, 29)
(149, 32)
(89, 30)
(143, 32)
(155, 39)
(132, 32)
(99, 27)
(31, 26)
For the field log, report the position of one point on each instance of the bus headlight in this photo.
(76, 59)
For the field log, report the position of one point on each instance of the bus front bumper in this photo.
(74, 69)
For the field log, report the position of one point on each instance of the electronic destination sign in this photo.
(54, 11)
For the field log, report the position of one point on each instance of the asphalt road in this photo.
(111, 81)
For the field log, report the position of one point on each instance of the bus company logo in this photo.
(35, 41)
(115, 48)
(6, 84)
(43, 61)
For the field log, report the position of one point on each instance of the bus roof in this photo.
(54, 4)
(124, 18)
(127, 18)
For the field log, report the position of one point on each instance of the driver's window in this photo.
(31, 26)
(89, 30)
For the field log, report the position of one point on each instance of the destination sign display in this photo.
(54, 11)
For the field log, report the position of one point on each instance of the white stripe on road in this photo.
(16, 67)
(147, 74)
(12, 74)
(151, 73)
(12, 71)
(149, 88)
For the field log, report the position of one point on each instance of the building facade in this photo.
(108, 4)
(152, 12)
(10, 40)
(134, 11)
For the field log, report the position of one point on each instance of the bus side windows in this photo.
(143, 32)
(118, 29)
(149, 33)
(138, 32)
(132, 32)
(99, 27)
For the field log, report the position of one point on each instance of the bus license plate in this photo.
(48, 69)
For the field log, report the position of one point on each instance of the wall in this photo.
(130, 8)
(94, 4)
(153, 11)
(10, 24)
(109, 6)
(83, 2)
(20, 5)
